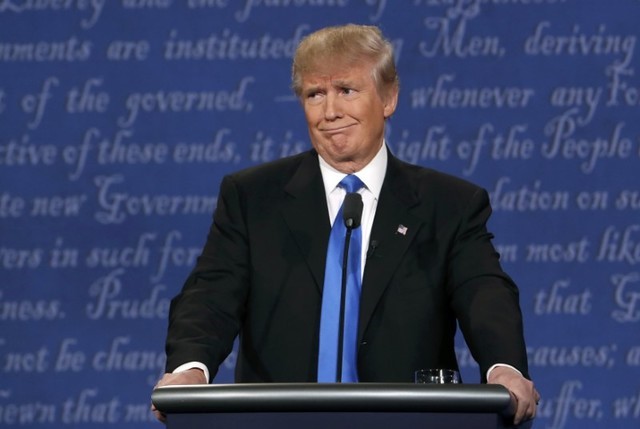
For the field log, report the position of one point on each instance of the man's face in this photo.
(345, 114)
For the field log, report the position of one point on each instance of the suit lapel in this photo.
(305, 213)
(394, 228)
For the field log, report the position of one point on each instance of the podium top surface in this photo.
(314, 397)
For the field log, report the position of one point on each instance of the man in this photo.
(426, 260)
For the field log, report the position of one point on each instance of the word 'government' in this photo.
(117, 206)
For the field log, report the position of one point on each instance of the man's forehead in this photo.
(332, 75)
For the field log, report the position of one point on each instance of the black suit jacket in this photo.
(261, 274)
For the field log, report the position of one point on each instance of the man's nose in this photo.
(332, 107)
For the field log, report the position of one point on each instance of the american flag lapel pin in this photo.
(402, 229)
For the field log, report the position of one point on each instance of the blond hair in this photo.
(348, 44)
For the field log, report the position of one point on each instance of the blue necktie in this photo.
(331, 294)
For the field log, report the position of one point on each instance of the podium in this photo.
(335, 406)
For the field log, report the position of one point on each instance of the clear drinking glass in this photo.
(437, 376)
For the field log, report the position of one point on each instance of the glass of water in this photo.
(437, 376)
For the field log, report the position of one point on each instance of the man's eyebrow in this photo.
(311, 88)
(342, 82)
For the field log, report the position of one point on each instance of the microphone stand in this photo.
(352, 216)
(343, 297)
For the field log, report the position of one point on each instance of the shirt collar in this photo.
(372, 175)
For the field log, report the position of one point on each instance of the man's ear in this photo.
(390, 101)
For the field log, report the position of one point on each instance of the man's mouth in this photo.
(336, 130)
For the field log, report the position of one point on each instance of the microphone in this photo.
(352, 210)
(352, 216)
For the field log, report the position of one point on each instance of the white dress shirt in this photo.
(372, 176)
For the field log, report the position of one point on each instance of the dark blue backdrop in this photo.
(118, 120)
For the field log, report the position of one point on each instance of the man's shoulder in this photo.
(280, 169)
(432, 180)
(436, 193)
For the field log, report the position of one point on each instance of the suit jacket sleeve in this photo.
(484, 298)
(206, 316)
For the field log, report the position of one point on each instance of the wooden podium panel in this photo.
(336, 420)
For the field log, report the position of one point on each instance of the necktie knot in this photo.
(351, 183)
